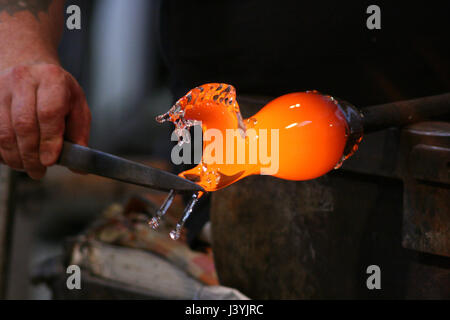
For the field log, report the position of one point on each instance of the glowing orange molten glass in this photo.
(298, 136)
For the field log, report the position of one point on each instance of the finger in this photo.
(52, 107)
(9, 150)
(25, 124)
(78, 122)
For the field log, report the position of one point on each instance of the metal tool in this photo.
(103, 164)
(400, 113)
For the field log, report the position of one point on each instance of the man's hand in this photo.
(40, 105)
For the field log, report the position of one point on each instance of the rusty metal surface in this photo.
(419, 155)
(278, 248)
(275, 239)
(430, 163)
(425, 172)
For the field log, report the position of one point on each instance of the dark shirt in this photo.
(275, 47)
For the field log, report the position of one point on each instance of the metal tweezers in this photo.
(103, 164)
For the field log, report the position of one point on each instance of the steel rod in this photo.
(401, 113)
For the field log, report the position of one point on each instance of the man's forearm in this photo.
(30, 31)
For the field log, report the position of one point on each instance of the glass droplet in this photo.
(175, 234)
(155, 221)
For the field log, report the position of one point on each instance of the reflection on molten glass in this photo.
(298, 136)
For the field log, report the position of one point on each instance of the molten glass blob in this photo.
(298, 136)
